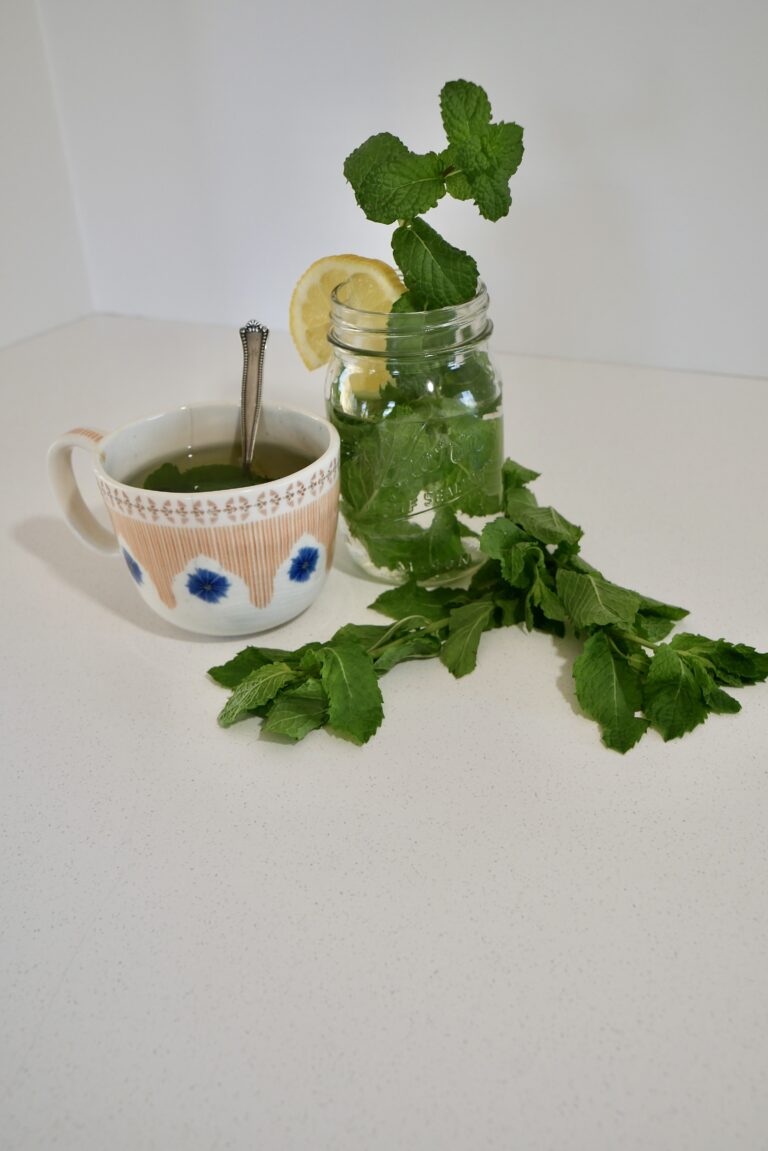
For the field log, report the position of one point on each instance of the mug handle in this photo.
(61, 474)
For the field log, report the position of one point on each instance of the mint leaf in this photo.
(406, 303)
(203, 478)
(410, 599)
(488, 164)
(498, 536)
(435, 271)
(481, 157)
(655, 620)
(485, 579)
(732, 664)
(514, 475)
(576, 563)
(403, 546)
(298, 711)
(483, 177)
(491, 194)
(402, 188)
(516, 499)
(673, 697)
(720, 702)
(520, 561)
(511, 607)
(488, 583)
(465, 110)
(610, 692)
(440, 547)
(348, 676)
(456, 183)
(384, 477)
(545, 598)
(250, 659)
(409, 647)
(465, 626)
(364, 634)
(655, 607)
(503, 145)
(258, 688)
(589, 599)
(472, 379)
(524, 566)
(166, 478)
(653, 628)
(546, 524)
(469, 472)
(375, 152)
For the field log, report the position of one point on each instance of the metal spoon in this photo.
(254, 338)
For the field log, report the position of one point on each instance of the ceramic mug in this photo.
(219, 563)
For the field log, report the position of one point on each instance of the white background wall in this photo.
(206, 142)
(43, 278)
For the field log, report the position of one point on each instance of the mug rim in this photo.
(331, 451)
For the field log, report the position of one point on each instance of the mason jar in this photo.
(416, 400)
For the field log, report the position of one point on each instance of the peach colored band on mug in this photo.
(253, 551)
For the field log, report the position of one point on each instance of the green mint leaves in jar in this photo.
(413, 391)
(417, 404)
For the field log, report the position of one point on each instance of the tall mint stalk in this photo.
(393, 184)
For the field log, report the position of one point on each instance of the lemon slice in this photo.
(371, 285)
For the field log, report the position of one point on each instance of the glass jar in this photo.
(417, 403)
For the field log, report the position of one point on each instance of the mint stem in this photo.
(425, 629)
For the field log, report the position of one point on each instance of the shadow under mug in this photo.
(232, 562)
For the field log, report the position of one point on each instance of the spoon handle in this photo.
(254, 340)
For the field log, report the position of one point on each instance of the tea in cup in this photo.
(233, 559)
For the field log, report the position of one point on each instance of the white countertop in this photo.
(482, 930)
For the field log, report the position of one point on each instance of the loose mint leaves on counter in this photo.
(629, 675)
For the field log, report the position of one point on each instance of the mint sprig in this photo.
(629, 675)
(393, 184)
(436, 274)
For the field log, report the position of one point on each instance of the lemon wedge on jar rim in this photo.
(370, 285)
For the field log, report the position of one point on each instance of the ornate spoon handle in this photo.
(254, 340)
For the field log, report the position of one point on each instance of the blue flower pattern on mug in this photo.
(303, 564)
(207, 585)
(133, 567)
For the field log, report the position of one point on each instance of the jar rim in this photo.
(433, 317)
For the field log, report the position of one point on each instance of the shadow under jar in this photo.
(416, 400)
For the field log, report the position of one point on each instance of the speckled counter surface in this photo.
(480, 931)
